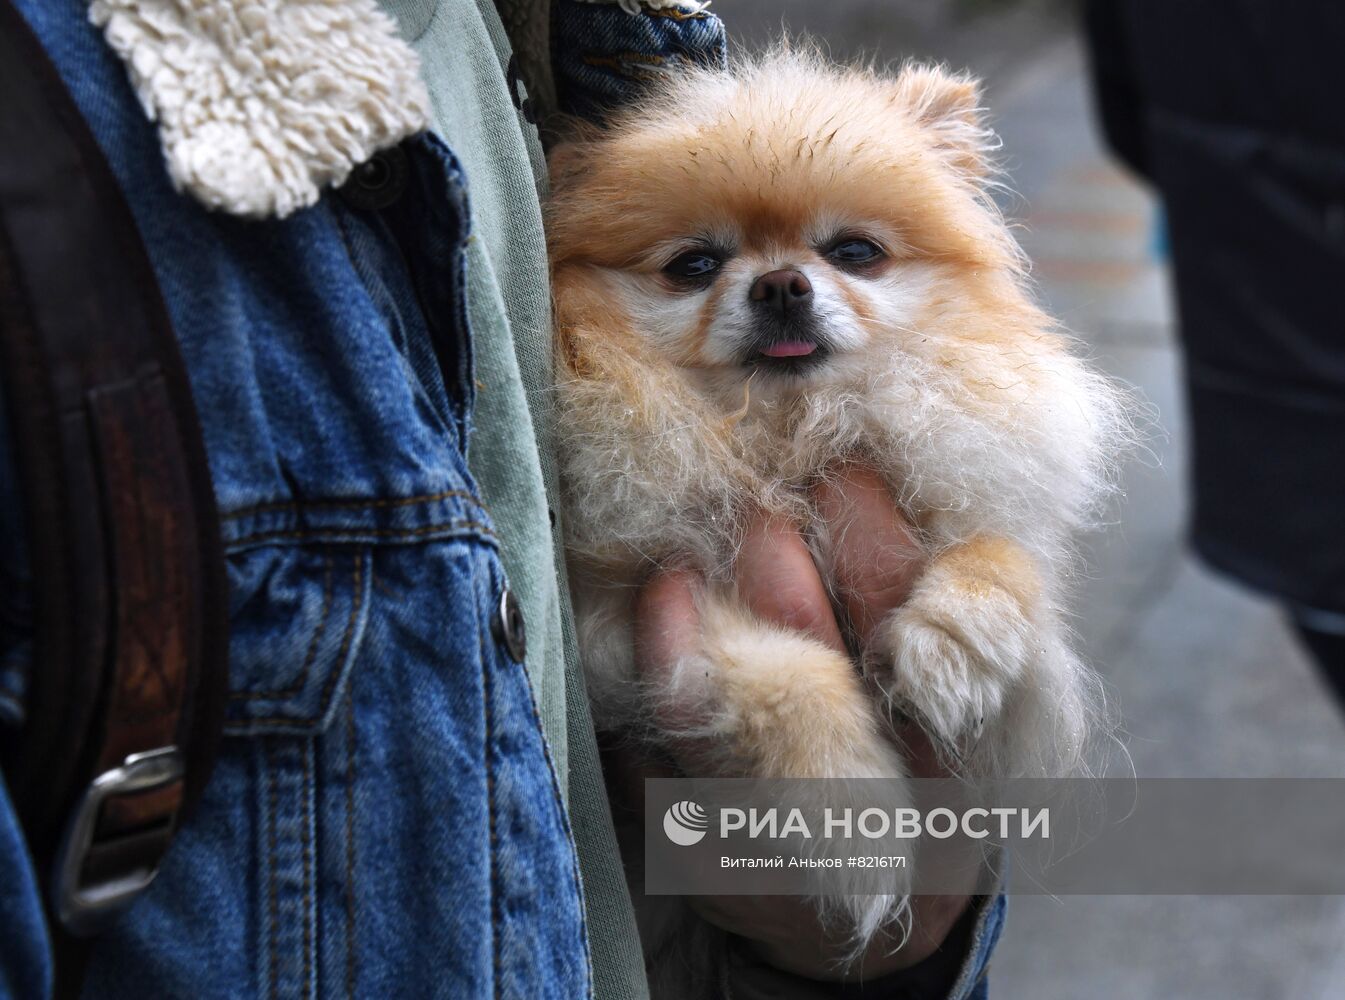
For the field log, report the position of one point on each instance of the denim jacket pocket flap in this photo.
(297, 622)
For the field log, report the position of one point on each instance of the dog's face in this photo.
(792, 294)
(789, 224)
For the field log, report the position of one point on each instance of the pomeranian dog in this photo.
(759, 274)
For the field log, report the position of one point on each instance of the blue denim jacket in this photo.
(383, 819)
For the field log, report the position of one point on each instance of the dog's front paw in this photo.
(935, 676)
(780, 704)
(950, 656)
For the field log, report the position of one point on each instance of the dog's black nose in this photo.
(782, 291)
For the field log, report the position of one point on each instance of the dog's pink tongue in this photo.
(790, 349)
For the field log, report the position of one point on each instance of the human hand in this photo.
(876, 560)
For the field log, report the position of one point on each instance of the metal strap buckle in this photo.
(83, 908)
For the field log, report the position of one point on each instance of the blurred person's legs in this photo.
(1323, 635)
(1229, 109)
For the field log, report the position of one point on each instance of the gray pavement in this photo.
(1206, 677)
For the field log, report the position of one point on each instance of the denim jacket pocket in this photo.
(298, 619)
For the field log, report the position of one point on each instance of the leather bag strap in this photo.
(128, 684)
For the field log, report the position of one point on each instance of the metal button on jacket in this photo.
(377, 182)
(509, 626)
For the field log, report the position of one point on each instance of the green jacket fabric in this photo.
(464, 52)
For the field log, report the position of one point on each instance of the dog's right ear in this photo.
(948, 107)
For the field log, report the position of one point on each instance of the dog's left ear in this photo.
(948, 106)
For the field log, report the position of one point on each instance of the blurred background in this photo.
(1208, 677)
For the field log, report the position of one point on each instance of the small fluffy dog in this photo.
(763, 272)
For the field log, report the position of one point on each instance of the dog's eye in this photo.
(695, 266)
(855, 252)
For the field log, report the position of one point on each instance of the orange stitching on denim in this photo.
(319, 632)
(487, 689)
(350, 841)
(333, 533)
(307, 857)
(264, 508)
(357, 602)
(273, 842)
(679, 15)
(562, 815)
(631, 65)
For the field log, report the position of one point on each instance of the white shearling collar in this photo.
(262, 103)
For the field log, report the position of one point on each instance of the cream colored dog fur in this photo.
(937, 370)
